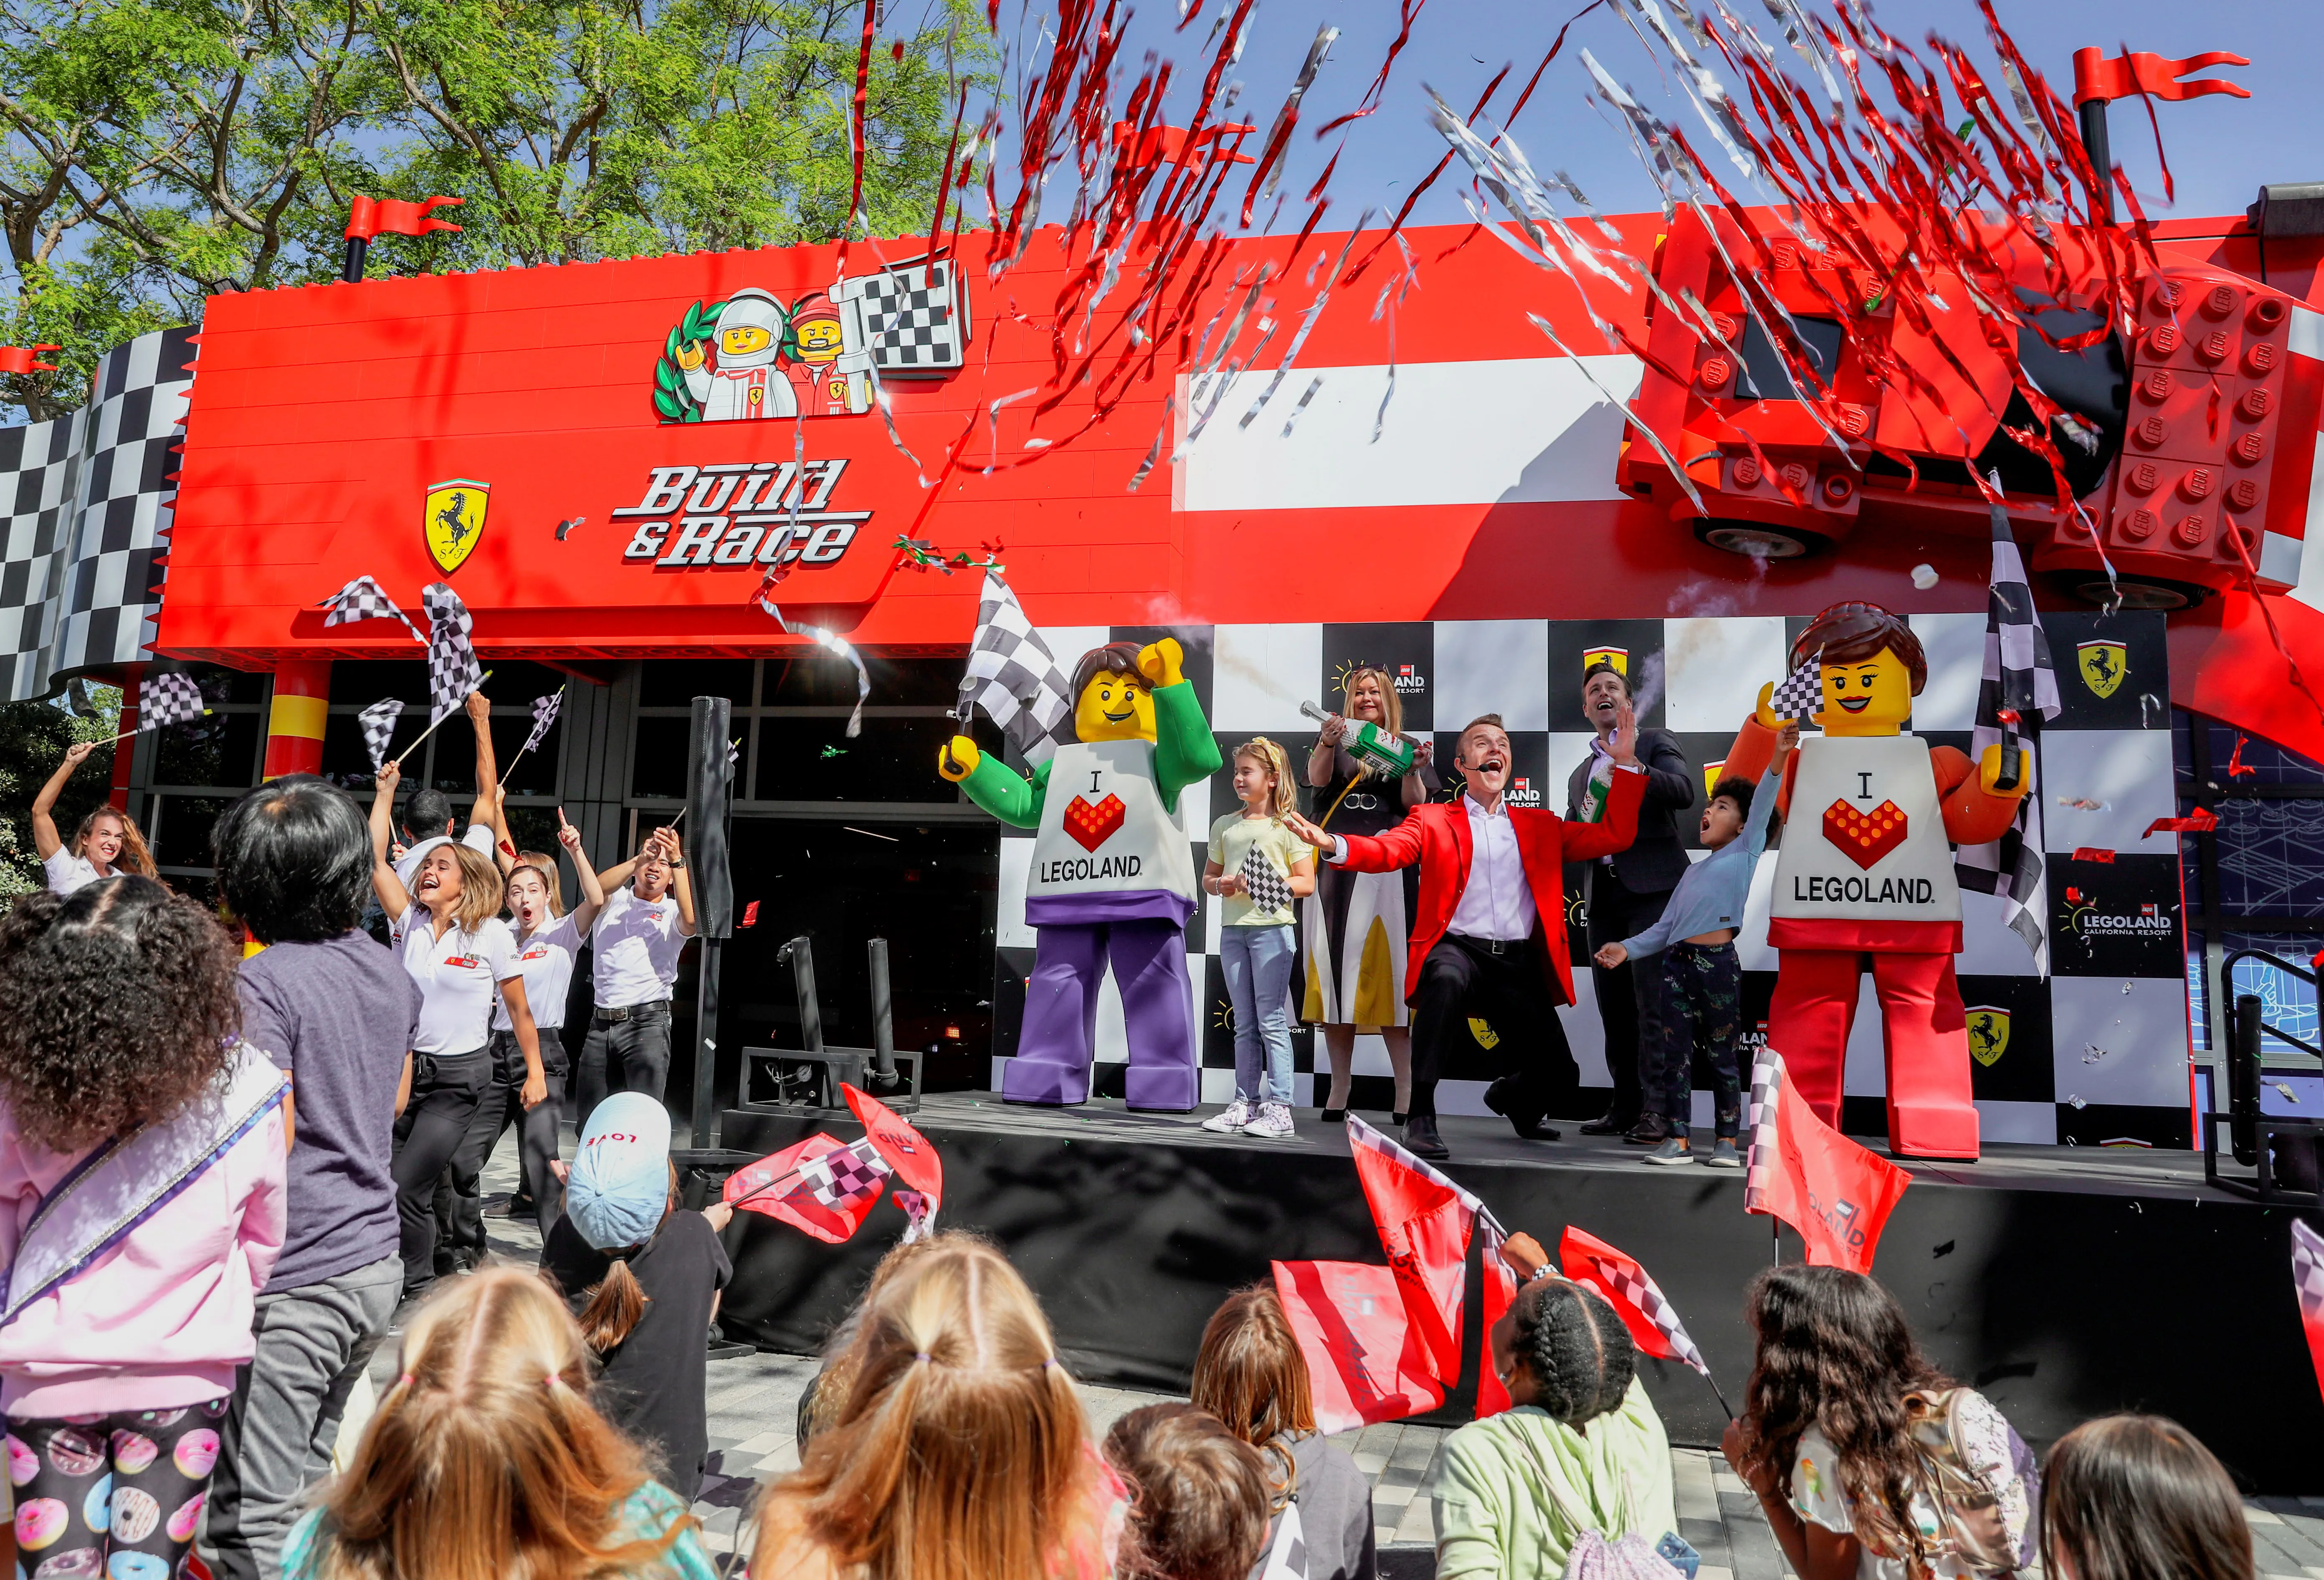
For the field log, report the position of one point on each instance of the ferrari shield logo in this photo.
(1988, 1034)
(2104, 665)
(455, 520)
(1485, 1035)
(1711, 773)
(1620, 657)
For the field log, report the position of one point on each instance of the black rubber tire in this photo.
(2137, 591)
(1758, 540)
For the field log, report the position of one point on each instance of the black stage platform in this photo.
(2064, 1282)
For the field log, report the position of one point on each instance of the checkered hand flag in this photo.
(1270, 890)
(1014, 677)
(172, 698)
(1801, 692)
(843, 1179)
(453, 672)
(378, 723)
(544, 714)
(363, 599)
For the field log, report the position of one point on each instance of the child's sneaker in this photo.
(1234, 1117)
(1274, 1120)
(1673, 1152)
(1723, 1154)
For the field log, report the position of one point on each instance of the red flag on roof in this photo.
(1836, 1194)
(906, 1150)
(1652, 1320)
(1365, 1361)
(368, 216)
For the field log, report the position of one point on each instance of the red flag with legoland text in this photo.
(1837, 1195)
(906, 1150)
(1366, 1363)
(1424, 1221)
(809, 1188)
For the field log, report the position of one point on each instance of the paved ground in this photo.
(754, 1404)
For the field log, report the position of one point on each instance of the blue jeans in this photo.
(1258, 962)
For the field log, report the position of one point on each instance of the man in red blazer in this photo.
(1489, 938)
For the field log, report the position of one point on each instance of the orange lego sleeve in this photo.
(1973, 815)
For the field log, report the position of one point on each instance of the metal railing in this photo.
(810, 1077)
(2253, 1135)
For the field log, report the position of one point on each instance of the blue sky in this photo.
(2220, 149)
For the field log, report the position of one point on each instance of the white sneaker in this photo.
(1235, 1116)
(1274, 1120)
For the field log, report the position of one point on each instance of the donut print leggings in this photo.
(118, 1495)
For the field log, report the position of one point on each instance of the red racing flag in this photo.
(1424, 1221)
(821, 1185)
(2308, 1285)
(1500, 1294)
(1652, 1320)
(368, 217)
(1366, 1363)
(1836, 1194)
(905, 1149)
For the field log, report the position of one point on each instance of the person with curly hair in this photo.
(106, 842)
(1580, 1448)
(1869, 1462)
(447, 929)
(129, 1297)
(1198, 1495)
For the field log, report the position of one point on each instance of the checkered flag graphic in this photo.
(909, 322)
(1014, 677)
(164, 700)
(1801, 692)
(842, 1178)
(544, 714)
(378, 723)
(1631, 1286)
(1360, 1134)
(2019, 680)
(364, 599)
(1759, 1158)
(453, 672)
(1270, 889)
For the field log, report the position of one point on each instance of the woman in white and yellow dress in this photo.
(1357, 924)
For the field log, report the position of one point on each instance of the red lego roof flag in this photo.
(2136, 71)
(27, 359)
(391, 217)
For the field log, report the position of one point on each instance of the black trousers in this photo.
(1513, 990)
(459, 1199)
(1629, 996)
(631, 1054)
(445, 1092)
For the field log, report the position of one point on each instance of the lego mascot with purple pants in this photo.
(1113, 875)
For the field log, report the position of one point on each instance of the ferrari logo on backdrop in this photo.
(455, 520)
(1712, 773)
(1620, 657)
(2104, 664)
(1988, 1034)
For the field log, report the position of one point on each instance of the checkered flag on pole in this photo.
(166, 700)
(2019, 690)
(378, 723)
(453, 672)
(1801, 692)
(1014, 677)
(1760, 1156)
(1631, 1290)
(363, 599)
(544, 714)
(846, 1177)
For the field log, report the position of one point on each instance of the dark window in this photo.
(676, 682)
(1766, 366)
(812, 760)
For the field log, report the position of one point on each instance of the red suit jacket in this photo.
(1436, 836)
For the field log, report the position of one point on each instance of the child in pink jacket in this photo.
(141, 1148)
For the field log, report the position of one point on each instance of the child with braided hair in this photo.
(1580, 1449)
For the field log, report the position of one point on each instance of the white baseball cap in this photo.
(619, 1190)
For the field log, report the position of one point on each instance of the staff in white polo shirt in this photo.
(449, 931)
(635, 946)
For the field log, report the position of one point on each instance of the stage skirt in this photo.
(1358, 927)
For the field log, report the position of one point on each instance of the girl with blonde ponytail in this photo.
(486, 1460)
(960, 1452)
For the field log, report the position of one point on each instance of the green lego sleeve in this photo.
(1184, 749)
(1007, 794)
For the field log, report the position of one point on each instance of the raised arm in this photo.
(392, 897)
(1770, 791)
(593, 888)
(487, 809)
(46, 840)
(1184, 750)
(1584, 842)
(681, 880)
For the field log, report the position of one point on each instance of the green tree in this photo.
(34, 736)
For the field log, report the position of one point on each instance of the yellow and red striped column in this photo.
(294, 724)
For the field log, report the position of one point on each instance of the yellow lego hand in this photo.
(1765, 713)
(1988, 774)
(1159, 661)
(958, 758)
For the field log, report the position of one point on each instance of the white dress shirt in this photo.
(1496, 902)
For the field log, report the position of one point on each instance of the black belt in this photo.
(1492, 946)
(613, 1017)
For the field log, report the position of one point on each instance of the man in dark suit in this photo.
(1489, 938)
(1625, 893)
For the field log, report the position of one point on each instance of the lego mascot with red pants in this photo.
(1113, 875)
(1864, 878)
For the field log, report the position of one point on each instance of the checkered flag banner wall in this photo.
(167, 700)
(1014, 677)
(453, 672)
(1270, 889)
(363, 599)
(1759, 1159)
(544, 714)
(842, 1178)
(1801, 692)
(378, 723)
(2019, 679)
